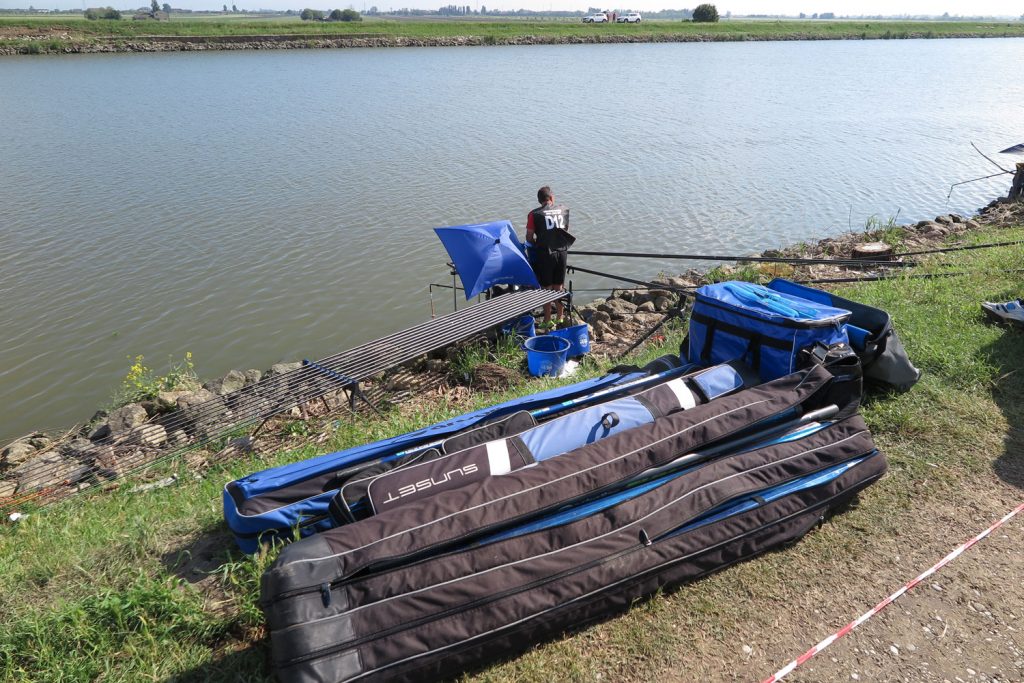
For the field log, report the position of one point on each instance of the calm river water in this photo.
(253, 207)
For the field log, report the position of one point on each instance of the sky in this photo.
(1011, 8)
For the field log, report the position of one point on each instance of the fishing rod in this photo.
(749, 259)
(768, 259)
(965, 247)
(898, 276)
(835, 280)
(346, 381)
(619, 289)
(682, 291)
(1004, 171)
(990, 159)
(276, 396)
(974, 180)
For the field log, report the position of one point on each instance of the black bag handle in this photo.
(705, 352)
(754, 349)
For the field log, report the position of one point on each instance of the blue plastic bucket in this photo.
(578, 338)
(523, 327)
(545, 356)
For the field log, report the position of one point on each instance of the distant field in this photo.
(52, 33)
(506, 26)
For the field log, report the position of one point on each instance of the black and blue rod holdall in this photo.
(871, 333)
(764, 328)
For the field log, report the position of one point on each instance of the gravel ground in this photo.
(962, 624)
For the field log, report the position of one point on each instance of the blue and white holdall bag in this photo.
(763, 328)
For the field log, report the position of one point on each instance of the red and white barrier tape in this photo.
(786, 670)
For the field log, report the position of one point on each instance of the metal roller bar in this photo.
(438, 332)
(495, 311)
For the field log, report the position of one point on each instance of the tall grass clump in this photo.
(888, 231)
(505, 351)
(146, 629)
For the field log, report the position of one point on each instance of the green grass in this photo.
(497, 30)
(94, 589)
(970, 389)
(75, 640)
(505, 352)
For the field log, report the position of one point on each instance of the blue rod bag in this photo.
(275, 501)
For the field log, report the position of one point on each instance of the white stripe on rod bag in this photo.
(763, 328)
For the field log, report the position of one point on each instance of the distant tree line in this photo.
(94, 13)
(458, 10)
(455, 10)
(467, 10)
(333, 15)
(705, 13)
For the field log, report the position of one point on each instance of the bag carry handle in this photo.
(705, 352)
(754, 349)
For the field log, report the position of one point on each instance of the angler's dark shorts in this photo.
(549, 267)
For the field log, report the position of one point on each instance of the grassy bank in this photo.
(146, 586)
(59, 33)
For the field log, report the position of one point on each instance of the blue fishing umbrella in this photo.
(1016, 149)
(487, 254)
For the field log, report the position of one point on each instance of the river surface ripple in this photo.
(252, 207)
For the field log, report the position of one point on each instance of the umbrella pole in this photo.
(455, 292)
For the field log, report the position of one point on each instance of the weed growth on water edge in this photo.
(748, 272)
(143, 383)
(887, 231)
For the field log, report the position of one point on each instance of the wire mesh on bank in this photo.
(108, 454)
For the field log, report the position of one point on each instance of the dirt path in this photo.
(966, 623)
(963, 624)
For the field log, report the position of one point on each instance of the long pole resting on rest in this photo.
(747, 259)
